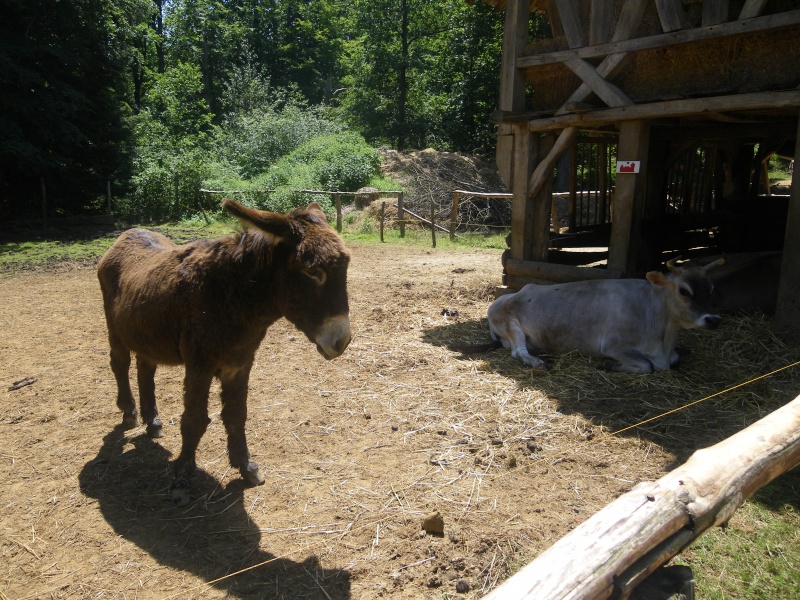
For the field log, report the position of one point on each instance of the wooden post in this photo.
(108, 196)
(521, 210)
(433, 224)
(615, 550)
(573, 186)
(454, 215)
(542, 200)
(512, 83)
(623, 247)
(44, 204)
(401, 217)
(338, 201)
(787, 311)
(383, 212)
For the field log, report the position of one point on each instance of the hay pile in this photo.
(430, 176)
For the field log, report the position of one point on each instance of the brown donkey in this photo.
(208, 304)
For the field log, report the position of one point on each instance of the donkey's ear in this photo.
(275, 226)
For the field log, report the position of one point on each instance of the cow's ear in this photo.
(274, 226)
(657, 279)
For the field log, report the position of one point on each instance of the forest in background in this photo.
(163, 97)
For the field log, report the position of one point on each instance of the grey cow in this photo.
(632, 322)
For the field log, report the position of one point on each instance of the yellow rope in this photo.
(582, 444)
(685, 406)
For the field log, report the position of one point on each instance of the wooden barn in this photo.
(639, 130)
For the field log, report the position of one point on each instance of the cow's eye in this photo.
(317, 275)
(686, 292)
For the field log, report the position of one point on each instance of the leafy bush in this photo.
(263, 123)
(343, 162)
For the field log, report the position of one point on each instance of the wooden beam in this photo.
(629, 19)
(544, 169)
(605, 90)
(600, 22)
(521, 211)
(715, 12)
(515, 36)
(752, 8)
(624, 244)
(668, 108)
(610, 553)
(774, 22)
(787, 311)
(556, 273)
(628, 24)
(607, 69)
(542, 199)
(571, 22)
(672, 15)
(512, 83)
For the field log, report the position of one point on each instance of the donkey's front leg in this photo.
(234, 415)
(194, 422)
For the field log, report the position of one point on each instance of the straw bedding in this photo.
(360, 453)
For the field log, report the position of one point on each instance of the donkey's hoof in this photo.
(154, 429)
(130, 420)
(180, 491)
(252, 474)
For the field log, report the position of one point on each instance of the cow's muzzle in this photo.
(709, 321)
(333, 336)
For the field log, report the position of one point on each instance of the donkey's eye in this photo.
(686, 292)
(317, 275)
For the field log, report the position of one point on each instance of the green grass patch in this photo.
(757, 557)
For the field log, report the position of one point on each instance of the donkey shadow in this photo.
(216, 539)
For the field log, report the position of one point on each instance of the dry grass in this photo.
(357, 451)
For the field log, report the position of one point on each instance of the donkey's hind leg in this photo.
(145, 374)
(120, 366)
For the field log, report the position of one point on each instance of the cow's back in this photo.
(586, 316)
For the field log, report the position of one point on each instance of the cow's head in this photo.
(312, 259)
(689, 294)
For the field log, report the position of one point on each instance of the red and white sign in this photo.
(627, 166)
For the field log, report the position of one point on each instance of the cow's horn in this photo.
(716, 263)
(671, 265)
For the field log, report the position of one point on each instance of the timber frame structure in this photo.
(710, 87)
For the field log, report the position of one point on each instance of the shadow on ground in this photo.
(213, 538)
(739, 352)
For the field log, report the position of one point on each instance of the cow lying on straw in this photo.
(632, 323)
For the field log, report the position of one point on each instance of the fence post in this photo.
(337, 198)
(454, 216)
(433, 224)
(108, 194)
(383, 212)
(401, 218)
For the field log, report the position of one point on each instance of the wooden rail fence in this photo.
(402, 210)
(614, 551)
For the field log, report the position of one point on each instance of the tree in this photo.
(421, 72)
(63, 87)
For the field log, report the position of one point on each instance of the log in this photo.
(555, 273)
(617, 548)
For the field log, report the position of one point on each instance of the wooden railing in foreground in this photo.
(620, 546)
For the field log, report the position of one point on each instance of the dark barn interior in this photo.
(639, 131)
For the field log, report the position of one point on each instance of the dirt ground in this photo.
(356, 451)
